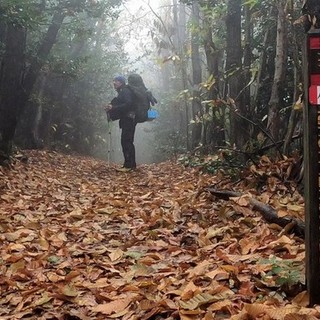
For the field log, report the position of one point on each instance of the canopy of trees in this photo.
(228, 73)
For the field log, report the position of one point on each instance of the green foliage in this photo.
(77, 78)
(21, 12)
(283, 272)
(223, 162)
(251, 3)
(170, 139)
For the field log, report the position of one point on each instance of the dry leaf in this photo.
(302, 299)
(197, 301)
(69, 291)
(43, 300)
(116, 255)
(115, 306)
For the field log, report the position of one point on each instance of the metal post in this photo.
(311, 166)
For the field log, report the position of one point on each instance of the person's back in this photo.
(142, 97)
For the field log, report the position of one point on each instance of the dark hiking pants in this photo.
(128, 127)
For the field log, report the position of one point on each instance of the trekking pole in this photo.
(109, 140)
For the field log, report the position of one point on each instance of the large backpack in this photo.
(142, 97)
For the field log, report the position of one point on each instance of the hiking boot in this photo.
(124, 169)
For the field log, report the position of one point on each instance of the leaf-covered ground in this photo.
(80, 240)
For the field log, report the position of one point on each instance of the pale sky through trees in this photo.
(135, 21)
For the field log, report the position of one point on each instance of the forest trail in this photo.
(80, 240)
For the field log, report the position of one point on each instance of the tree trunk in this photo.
(245, 104)
(11, 97)
(197, 113)
(295, 115)
(233, 67)
(296, 110)
(247, 54)
(15, 95)
(3, 31)
(43, 53)
(213, 131)
(279, 74)
(179, 18)
(38, 116)
(262, 66)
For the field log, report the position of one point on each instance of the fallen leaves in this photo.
(82, 241)
(115, 306)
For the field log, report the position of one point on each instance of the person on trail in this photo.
(122, 108)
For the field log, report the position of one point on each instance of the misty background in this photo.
(134, 28)
(227, 75)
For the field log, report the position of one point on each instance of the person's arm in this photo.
(151, 98)
(111, 110)
(108, 106)
(124, 101)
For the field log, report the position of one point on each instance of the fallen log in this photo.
(268, 213)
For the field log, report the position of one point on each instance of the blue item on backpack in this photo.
(152, 114)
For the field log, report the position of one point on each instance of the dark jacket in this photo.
(122, 105)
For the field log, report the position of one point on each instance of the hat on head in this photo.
(120, 78)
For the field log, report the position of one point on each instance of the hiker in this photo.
(122, 108)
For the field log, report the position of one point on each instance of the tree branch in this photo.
(268, 212)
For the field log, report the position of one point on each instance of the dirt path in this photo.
(80, 240)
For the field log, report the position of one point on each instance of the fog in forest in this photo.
(134, 26)
(216, 68)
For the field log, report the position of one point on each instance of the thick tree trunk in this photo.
(3, 31)
(15, 92)
(11, 91)
(233, 67)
